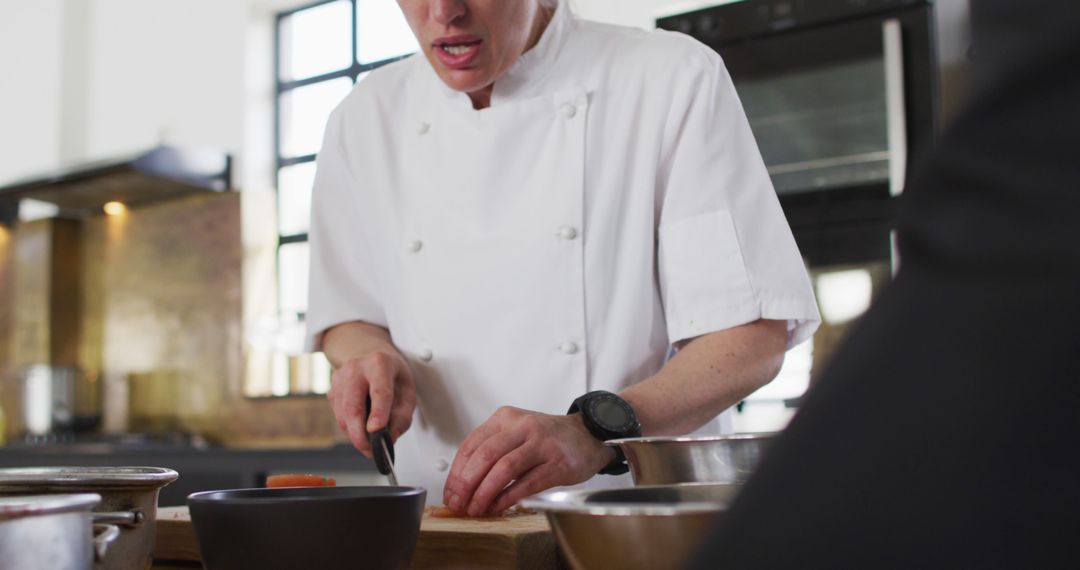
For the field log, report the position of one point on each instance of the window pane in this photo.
(316, 41)
(844, 295)
(381, 31)
(294, 198)
(279, 375)
(793, 378)
(322, 373)
(293, 277)
(304, 112)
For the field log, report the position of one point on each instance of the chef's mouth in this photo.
(458, 48)
(458, 53)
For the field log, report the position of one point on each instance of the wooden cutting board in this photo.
(522, 542)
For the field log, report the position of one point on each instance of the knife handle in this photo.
(384, 462)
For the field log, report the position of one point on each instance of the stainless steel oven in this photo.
(842, 98)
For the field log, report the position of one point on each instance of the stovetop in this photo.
(111, 440)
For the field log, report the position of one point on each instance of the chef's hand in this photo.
(517, 453)
(385, 376)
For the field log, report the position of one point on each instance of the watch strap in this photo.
(617, 466)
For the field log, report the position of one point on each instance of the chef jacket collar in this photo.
(526, 77)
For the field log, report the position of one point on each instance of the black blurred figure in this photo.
(946, 432)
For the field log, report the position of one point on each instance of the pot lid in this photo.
(32, 505)
(72, 478)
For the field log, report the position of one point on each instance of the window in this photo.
(322, 50)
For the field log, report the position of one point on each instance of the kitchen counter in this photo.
(200, 468)
(521, 543)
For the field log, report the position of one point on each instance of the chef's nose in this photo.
(446, 11)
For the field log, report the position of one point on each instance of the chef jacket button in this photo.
(442, 464)
(568, 348)
(426, 355)
(423, 128)
(567, 233)
(414, 246)
(568, 111)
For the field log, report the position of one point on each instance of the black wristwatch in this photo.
(608, 416)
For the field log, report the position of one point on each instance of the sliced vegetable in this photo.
(297, 480)
(441, 512)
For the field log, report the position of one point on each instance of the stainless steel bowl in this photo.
(694, 459)
(648, 528)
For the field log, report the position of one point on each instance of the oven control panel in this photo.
(743, 20)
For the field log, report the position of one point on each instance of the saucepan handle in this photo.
(104, 536)
(126, 518)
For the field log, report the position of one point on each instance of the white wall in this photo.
(91, 79)
(638, 13)
(30, 84)
(166, 71)
(954, 39)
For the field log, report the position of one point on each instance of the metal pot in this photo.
(52, 531)
(128, 498)
(59, 399)
(694, 459)
(648, 528)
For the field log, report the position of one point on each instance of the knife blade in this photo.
(382, 450)
(384, 442)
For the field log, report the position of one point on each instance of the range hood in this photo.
(162, 173)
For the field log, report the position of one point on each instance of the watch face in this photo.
(610, 414)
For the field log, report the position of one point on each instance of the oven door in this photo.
(837, 111)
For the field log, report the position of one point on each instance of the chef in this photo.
(542, 234)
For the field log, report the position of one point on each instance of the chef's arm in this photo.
(708, 374)
(355, 339)
(517, 453)
(366, 363)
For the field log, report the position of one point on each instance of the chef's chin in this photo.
(465, 80)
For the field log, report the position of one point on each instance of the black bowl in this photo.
(308, 527)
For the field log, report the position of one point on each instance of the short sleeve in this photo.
(342, 281)
(726, 255)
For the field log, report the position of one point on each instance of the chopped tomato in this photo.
(296, 480)
(441, 512)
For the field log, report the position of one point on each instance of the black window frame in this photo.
(281, 87)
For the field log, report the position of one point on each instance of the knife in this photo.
(382, 450)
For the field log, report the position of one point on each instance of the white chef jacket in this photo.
(610, 202)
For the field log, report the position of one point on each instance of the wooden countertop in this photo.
(523, 542)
